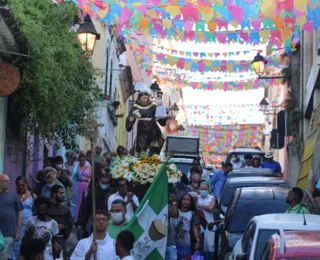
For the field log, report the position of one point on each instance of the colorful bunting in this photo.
(217, 141)
(225, 86)
(204, 21)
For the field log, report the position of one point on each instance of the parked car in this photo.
(261, 228)
(287, 245)
(251, 172)
(246, 204)
(233, 183)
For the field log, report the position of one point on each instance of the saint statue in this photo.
(149, 135)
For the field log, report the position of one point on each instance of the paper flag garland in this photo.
(217, 141)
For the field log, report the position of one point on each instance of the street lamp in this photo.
(264, 105)
(181, 130)
(87, 34)
(155, 88)
(174, 110)
(258, 64)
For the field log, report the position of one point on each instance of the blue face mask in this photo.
(104, 186)
(203, 193)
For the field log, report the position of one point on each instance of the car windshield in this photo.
(245, 210)
(242, 155)
(183, 167)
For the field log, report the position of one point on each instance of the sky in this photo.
(219, 115)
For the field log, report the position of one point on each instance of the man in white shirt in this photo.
(131, 200)
(103, 247)
(124, 245)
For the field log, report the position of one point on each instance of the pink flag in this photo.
(188, 25)
(308, 27)
(126, 14)
(237, 13)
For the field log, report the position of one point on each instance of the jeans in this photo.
(183, 252)
(171, 253)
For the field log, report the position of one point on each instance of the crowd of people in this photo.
(256, 162)
(36, 223)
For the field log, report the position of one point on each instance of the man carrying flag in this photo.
(150, 222)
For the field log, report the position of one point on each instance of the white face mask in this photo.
(59, 166)
(116, 217)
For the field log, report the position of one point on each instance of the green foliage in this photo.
(58, 87)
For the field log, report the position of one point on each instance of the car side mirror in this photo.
(242, 256)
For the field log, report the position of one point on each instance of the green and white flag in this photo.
(150, 222)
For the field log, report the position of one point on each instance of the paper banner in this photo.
(280, 16)
(225, 86)
(217, 141)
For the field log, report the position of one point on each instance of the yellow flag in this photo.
(174, 10)
(207, 12)
(267, 7)
(264, 34)
(167, 23)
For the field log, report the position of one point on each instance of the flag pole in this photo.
(90, 131)
(93, 190)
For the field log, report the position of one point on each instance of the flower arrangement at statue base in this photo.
(143, 169)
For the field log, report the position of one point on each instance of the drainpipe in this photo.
(3, 117)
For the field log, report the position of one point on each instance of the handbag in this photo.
(1, 242)
(197, 256)
(208, 241)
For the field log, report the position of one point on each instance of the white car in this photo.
(260, 228)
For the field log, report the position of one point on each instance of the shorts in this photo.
(183, 252)
(8, 245)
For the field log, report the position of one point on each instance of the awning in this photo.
(13, 44)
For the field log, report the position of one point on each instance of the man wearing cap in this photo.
(269, 163)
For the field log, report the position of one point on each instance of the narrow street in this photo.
(163, 130)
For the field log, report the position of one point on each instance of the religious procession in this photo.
(159, 130)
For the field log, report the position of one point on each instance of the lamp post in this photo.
(174, 110)
(90, 131)
(264, 105)
(87, 35)
(155, 88)
(258, 65)
(181, 130)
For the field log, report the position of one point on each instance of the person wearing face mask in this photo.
(195, 181)
(62, 176)
(43, 227)
(50, 177)
(236, 162)
(118, 220)
(61, 214)
(206, 203)
(131, 200)
(103, 192)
